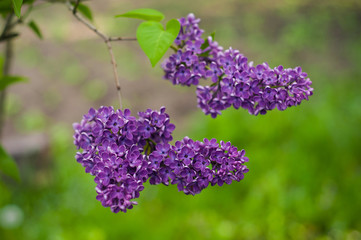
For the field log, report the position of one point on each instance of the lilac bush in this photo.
(234, 80)
(123, 152)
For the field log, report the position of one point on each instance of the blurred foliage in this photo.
(94, 90)
(305, 170)
(13, 105)
(74, 73)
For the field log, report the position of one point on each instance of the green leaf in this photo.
(28, 1)
(85, 10)
(144, 14)
(35, 29)
(8, 165)
(154, 40)
(5, 6)
(206, 43)
(5, 81)
(17, 7)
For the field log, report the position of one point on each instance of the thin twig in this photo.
(107, 41)
(76, 5)
(114, 39)
(86, 23)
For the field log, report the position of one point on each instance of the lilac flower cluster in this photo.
(123, 152)
(235, 81)
(113, 143)
(193, 165)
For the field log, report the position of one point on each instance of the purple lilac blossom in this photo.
(113, 145)
(193, 165)
(123, 152)
(234, 81)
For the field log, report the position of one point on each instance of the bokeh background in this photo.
(305, 163)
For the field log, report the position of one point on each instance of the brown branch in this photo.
(114, 39)
(8, 36)
(8, 24)
(6, 68)
(76, 5)
(107, 41)
(86, 23)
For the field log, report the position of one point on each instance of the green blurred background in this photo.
(305, 163)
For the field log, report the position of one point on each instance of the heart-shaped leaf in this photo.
(144, 14)
(154, 40)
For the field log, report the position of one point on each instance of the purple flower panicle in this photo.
(113, 146)
(123, 152)
(234, 81)
(193, 165)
